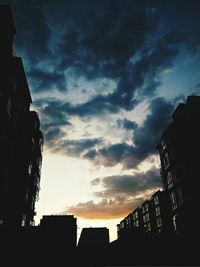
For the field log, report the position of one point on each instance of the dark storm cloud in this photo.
(75, 148)
(51, 115)
(52, 121)
(33, 32)
(95, 39)
(193, 43)
(42, 80)
(147, 136)
(54, 108)
(98, 40)
(145, 139)
(127, 124)
(132, 42)
(98, 106)
(53, 135)
(128, 185)
(112, 155)
(141, 76)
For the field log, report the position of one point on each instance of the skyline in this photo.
(105, 79)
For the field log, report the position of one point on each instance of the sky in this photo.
(105, 77)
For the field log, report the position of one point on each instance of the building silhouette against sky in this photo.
(20, 136)
(179, 155)
(94, 237)
(59, 230)
(93, 246)
(168, 221)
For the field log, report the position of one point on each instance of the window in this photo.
(33, 204)
(144, 218)
(26, 196)
(163, 143)
(30, 169)
(172, 155)
(175, 222)
(159, 222)
(169, 179)
(1, 221)
(173, 200)
(148, 227)
(166, 161)
(180, 197)
(136, 223)
(147, 217)
(8, 107)
(146, 207)
(143, 209)
(23, 220)
(157, 211)
(136, 214)
(156, 200)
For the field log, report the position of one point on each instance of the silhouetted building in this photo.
(170, 217)
(152, 218)
(20, 136)
(179, 155)
(92, 237)
(59, 230)
(131, 226)
(161, 213)
(93, 246)
(147, 216)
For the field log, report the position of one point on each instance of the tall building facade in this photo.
(179, 155)
(20, 137)
(174, 210)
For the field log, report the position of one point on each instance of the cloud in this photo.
(84, 41)
(127, 43)
(112, 155)
(33, 31)
(137, 81)
(105, 209)
(43, 80)
(101, 42)
(53, 135)
(127, 124)
(145, 139)
(121, 195)
(128, 185)
(75, 148)
(147, 136)
(98, 106)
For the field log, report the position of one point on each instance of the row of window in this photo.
(146, 220)
(145, 208)
(176, 199)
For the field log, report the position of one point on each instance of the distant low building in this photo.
(59, 230)
(94, 237)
